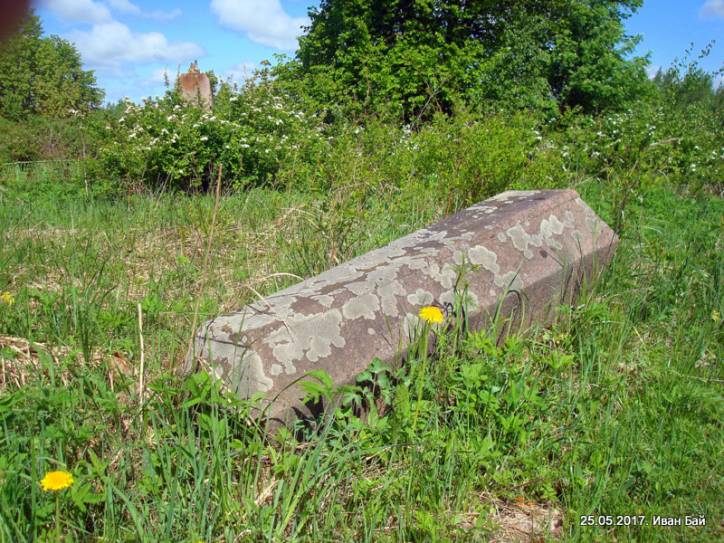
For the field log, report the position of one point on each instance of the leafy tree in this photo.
(686, 83)
(43, 76)
(425, 54)
(17, 57)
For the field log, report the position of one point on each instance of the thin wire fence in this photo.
(23, 162)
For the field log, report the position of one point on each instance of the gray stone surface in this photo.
(525, 253)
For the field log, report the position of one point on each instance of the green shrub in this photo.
(41, 138)
(249, 134)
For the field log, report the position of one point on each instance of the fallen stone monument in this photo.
(520, 254)
(195, 87)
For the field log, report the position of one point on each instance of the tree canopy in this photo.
(423, 53)
(43, 76)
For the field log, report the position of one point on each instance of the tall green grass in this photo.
(614, 410)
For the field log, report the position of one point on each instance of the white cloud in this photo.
(712, 8)
(129, 8)
(652, 70)
(160, 15)
(91, 11)
(110, 44)
(79, 11)
(262, 21)
(240, 72)
(159, 76)
(124, 6)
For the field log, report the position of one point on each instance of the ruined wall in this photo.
(529, 250)
(195, 88)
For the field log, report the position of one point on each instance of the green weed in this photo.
(614, 409)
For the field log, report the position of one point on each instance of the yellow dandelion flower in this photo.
(7, 298)
(715, 316)
(56, 480)
(432, 314)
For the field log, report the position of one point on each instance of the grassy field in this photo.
(614, 410)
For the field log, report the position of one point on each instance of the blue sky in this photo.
(131, 43)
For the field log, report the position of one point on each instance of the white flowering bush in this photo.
(262, 135)
(649, 139)
(250, 133)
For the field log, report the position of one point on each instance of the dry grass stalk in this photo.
(524, 522)
(20, 362)
(142, 350)
(205, 268)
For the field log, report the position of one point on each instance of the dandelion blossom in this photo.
(7, 298)
(56, 480)
(432, 314)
